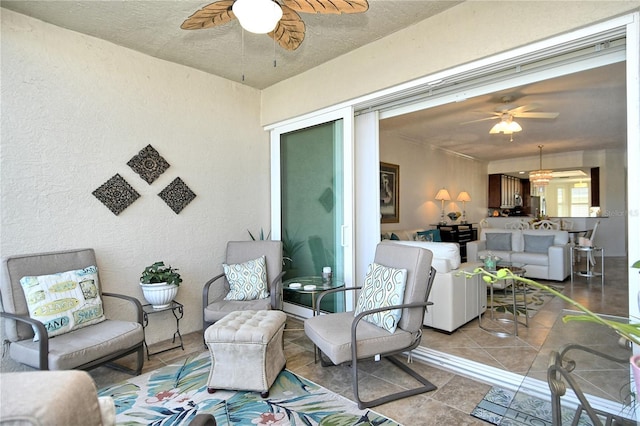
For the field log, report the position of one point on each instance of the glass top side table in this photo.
(503, 284)
(312, 285)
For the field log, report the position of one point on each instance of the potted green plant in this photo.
(289, 248)
(159, 283)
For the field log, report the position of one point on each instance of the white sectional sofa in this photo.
(457, 299)
(543, 253)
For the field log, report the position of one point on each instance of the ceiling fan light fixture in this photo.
(506, 126)
(257, 16)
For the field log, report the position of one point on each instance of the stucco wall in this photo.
(75, 109)
(464, 33)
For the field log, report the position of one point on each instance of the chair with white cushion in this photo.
(518, 224)
(591, 236)
(57, 297)
(262, 261)
(546, 224)
(387, 320)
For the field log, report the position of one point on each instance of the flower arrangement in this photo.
(454, 216)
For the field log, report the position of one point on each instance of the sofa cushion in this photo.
(516, 237)
(433, 234)
(383, 286)
(530, 258)
(559, 237)
(498, 241)
(446, 256)
(537, 243)
(400, 234)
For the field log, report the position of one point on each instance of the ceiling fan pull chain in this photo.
(242, 60)
(274, 53)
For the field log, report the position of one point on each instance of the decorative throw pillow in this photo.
(383, 286)
(64, 301)
(499, 241)
(538, 243)
(248, 280)
(430, 235)
(394, 237)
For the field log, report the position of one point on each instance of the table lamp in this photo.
(464, 197)
(443, 195)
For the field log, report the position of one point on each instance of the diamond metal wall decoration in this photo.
(148, 164)
(177, 195)
(116, 194)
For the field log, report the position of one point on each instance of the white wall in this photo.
(423, 171)
(76, 109)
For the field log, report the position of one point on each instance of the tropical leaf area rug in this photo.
(174, 394)
(536, 298)
(507, 408)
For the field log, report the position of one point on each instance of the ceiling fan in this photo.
(279, 19)
(506, 112)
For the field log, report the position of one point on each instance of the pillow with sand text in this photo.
(64, 301)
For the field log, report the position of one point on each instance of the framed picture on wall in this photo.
(389, 193)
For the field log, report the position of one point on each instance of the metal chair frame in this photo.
(427, 386)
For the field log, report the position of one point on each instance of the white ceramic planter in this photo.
(159, 295)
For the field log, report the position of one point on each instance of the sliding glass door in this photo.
(312, 208)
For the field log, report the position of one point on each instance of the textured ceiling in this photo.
(591, 104)
(153, 27)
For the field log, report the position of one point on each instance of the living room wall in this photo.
(423, 171)
(76, 109)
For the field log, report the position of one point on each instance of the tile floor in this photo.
(456, 395)
(517, 354)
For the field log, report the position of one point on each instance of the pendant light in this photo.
(540, 177)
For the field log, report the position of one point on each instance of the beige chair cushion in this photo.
(81, 346)
(53, 398)
(332, 334)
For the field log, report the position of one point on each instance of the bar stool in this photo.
(589, 253)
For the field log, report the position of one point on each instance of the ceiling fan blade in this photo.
(537, 115)
(481, 119)
(523, 108)
(328, 6)
(211, 15)
(289, 33)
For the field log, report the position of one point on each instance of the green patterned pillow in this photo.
(248, 280)
(383, 286)
(64, 301)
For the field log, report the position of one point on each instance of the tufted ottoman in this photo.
(247, 351)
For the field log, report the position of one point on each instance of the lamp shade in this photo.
(257, 16)
(463, 196)
(443, 195)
